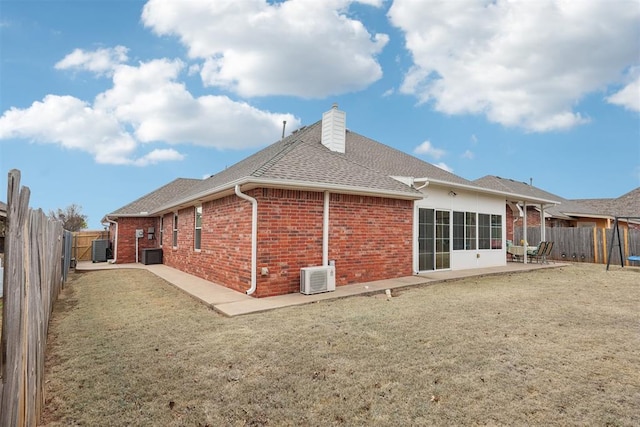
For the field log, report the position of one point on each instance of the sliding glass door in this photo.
(434, 241)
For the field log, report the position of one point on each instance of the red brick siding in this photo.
(126, 251)
(509, 217)
(370, 238)
(289, 237)
(225, 255)
(533, 220)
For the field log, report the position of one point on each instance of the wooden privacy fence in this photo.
(32, 280)
(583, 244)
(82, 243)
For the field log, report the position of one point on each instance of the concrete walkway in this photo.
(233, 303)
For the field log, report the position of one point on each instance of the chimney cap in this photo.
(334, 105)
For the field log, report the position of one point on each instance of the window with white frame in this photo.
(470, 230)
(198, 228)
(175, 230)
(161, 229)
(464, 231)
(458, 231)
(484, 231)
(489, 231)
(496, 231)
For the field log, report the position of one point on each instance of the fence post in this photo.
(595, 245)
(625, 233)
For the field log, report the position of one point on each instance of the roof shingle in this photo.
(157, 198)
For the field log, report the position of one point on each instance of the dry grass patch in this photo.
(551, 347)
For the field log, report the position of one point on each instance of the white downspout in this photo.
(325, 230)
(137, 239)
(426, 183)
(254, 238)
(115, 242)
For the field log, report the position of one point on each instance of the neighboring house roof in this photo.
(156, 198)
(626, 205)
(3, 209)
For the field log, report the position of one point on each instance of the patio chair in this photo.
(547, 252)
(538, 252)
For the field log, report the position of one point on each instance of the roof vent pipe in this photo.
(334, 129)
(284, 125)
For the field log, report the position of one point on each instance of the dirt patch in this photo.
(552, 347)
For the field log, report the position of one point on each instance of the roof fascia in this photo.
(478, 189)
(588, 215)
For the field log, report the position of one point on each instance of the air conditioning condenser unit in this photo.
(314, 280)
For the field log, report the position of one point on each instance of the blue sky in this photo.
(102, 102)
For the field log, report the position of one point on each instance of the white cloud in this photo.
(427, 148)
(444, 166)
(72, 124)
(160, 108)
(160, 155)
(304, 48)
(145, 105)
(524, 64)
(101, 61)
(474, 139)
(468, 154)
(628, 97)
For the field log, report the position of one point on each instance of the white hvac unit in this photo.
(314, 280)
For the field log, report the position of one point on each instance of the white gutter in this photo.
(115, 242)
(325, 230)
(254, 238)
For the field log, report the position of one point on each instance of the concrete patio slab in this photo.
(232, 303)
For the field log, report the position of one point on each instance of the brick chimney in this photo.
(334, 128)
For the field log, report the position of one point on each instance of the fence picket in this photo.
(584, 244)
(33, 276)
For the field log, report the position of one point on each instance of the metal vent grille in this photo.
(318, 281)
(314, 280)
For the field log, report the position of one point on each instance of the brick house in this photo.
(322, 196)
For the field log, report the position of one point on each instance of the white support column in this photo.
(524, 231)
(543, 232)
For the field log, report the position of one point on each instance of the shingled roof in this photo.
(627, 205)
(301, 161)
(151, 201)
